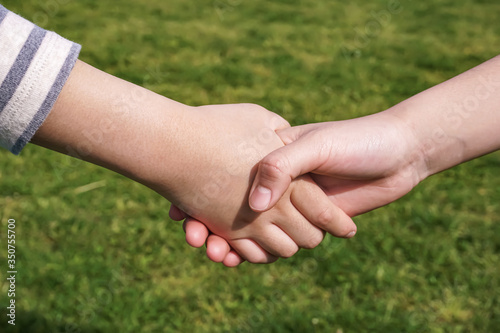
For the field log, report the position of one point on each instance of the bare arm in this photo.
(371, 161)
(457, 120)
(200, 158)
(112, 123)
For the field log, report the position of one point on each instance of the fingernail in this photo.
(260, 198)
(351, 234)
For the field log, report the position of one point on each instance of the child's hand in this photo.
(361, 164)
(213, 185)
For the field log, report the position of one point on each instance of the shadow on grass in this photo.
(33, 322)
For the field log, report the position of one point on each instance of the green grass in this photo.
(110, 260)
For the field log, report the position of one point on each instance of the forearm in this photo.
(456, 120)
(113, 123)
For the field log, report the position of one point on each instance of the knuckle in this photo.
(253, 106)
(326, 217)
(278, 122)
(313, 241)
(274, 167)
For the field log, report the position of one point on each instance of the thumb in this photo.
(277, 170)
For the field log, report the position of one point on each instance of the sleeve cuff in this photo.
(34, 66)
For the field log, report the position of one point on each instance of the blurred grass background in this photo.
(105, 257)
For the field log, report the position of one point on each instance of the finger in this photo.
(319, 210)
(252, 252)
(232, 259)
(289, 220)
(280, 167)
(176, 214)
(357, 197)
(276, 241)
(217, 248)
(305, 234)
(196, 232)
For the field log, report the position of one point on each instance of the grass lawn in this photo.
(98, 253)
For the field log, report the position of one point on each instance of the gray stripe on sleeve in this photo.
(3, 13)
(49, 101)
(23, 61)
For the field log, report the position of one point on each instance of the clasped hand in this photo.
(230, 141)
(359, 164)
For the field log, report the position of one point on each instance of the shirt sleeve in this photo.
(34, 65)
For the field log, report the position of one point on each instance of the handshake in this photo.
(257, 189)
(250, 186)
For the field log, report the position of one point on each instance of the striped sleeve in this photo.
(34, 65)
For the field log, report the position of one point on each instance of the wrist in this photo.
(414, 159)
(112, 123)
(147, 145)
(433, 146)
